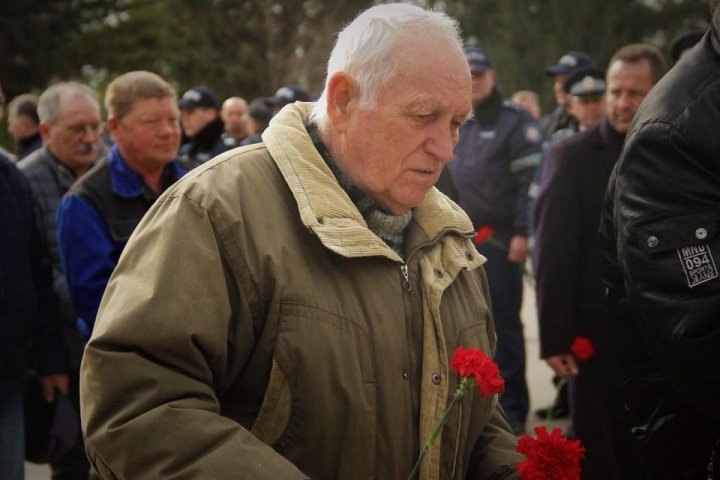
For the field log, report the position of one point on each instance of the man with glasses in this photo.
(97, 216)
(70, 128)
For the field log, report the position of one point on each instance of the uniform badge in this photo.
(698, 264)
(532, 134)
(486, 134)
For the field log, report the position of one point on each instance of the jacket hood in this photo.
(326, 209)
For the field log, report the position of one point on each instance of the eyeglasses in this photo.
(79, 129)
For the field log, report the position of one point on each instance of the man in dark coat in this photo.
(30, 332)
(659, 238)
(567, 265)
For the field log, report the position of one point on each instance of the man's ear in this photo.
(341, 100)
(112, 125)
(44, 129)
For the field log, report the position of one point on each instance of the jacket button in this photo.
(405, 375)
(321, 220)
(652, 241)
(438, 273)
(436, 378)
(701, 233)
(469, 256)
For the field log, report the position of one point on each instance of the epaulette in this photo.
(512, 105)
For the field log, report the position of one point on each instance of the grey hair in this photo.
(365, 48)
(49, 102)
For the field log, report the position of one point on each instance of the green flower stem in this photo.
(465, 384)
(558, 387)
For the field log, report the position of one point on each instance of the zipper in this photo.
(413, 370)
(406, 283)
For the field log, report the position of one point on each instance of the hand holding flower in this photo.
(474, 368)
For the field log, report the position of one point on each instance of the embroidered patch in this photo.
(486, 134)
(698, 264)
(532, 134)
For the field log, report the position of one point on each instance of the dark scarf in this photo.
(390, 228)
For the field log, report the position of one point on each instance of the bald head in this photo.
(233, 116)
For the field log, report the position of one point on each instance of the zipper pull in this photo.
(406, 282)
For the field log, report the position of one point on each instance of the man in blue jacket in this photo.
(495, 160)
(100, 211)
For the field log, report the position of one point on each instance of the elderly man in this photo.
(70, 127)
(290, 309)
(98, 214)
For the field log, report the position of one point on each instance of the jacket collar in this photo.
(325, 207)
(123, 181)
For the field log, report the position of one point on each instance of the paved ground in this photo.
(539, 378)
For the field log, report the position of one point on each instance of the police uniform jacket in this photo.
(494, 163)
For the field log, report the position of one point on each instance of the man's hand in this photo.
(564, 365)
(50, 382)
(518, 249)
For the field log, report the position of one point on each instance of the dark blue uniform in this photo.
(495, 160)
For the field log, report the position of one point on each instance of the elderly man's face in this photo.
(396, 150)
(149, 133)
(74, 137)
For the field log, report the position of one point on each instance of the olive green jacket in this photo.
(255, 328)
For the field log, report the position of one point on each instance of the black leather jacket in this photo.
(660, 241)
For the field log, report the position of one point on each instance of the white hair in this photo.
(49, 102)
(365, 48)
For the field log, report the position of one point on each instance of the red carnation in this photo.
(473, 362)
(582, 348)
(483, 233)
(549, 457)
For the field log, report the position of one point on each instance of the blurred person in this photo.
(259, 114)
(3, 151)
(23, 124)
(288, 94)
(567, 264)
(495, 159)
(683, 42)
(278, 312)
(202, 125)
(585, 88)
(529, 100)
(31, 334)
(660, 245)
(70, 128)
(560, 118)
(233, 114)
(100, 211)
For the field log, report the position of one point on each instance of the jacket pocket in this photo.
(329, 369)
(272, 420)
(467, 420)
(677, 252)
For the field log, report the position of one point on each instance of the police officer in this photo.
(560, 117)
(494, 163)
(202, 125)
